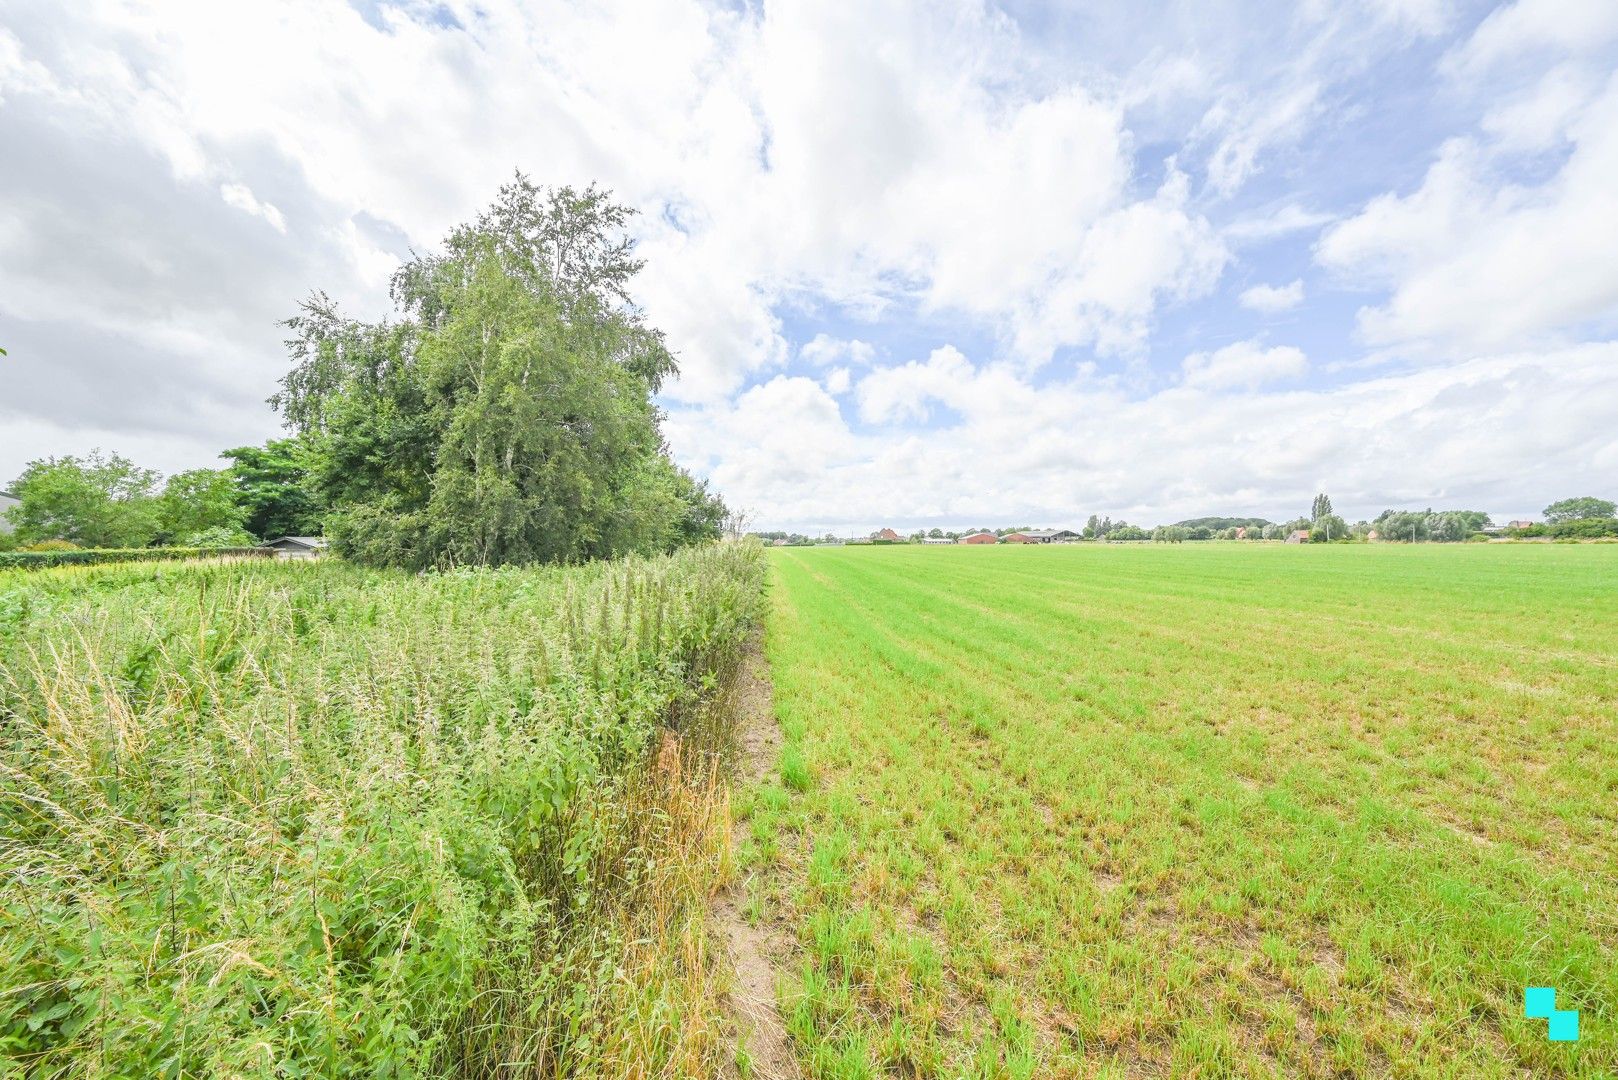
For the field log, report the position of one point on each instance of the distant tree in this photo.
(99, 500)
(219, 536)
(1579, 509)
(1223, 522)
(1322, 519)
(199, 500)
(274, 487)
(936, 533)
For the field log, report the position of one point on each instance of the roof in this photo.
(1299, 532)
(301, 541)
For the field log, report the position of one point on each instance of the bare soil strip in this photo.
(753, 949)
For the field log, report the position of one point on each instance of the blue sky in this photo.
(948, 264)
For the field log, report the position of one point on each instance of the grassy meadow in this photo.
(282, 819)
(1200, 810)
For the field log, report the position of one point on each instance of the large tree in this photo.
(99, 500)
(506, 415)
(199, 501)
(1579, 509)
(274, 486)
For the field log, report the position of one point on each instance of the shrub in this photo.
(303, 818)
(38, 557)
(51, 545)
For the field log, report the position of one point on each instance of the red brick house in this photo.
(888, 535)
(1017, 538)
(981, 538)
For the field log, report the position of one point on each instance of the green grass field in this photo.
(1208, 810)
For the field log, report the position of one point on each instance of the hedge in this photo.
(1578, 529)
(39, 560)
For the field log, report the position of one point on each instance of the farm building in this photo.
(886, 534)
(1518, 524)
(7, 501)
(937, 540)
(1298, 536)
(980, 538)
(296, 547)
(1373, 535)
(1018, 538)
(1050, 536)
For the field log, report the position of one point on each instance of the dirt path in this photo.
(753, 948)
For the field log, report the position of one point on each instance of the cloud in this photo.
(1476, 261)
(1245, 364)
(1270, 299)
(1501, 433)
(1057, 192)
(825, 349)
(1522, 32)
(903, 393)
(242, 198)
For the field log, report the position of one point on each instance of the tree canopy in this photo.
(274, 490)
(506, 414)
(1580, 509)
(98, 500)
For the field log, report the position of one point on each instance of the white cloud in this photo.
(1246, 364)
(825, 349)
(1474, 260)
(906, 392)
(1515, 34)
(939, 168)
(1269, 224)
(242, 198)
(1499, 433)
(1270, 299)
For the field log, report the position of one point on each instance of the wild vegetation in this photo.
(297, 819)
(1109, 810)
(505, 416)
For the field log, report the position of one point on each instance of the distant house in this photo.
(296, 547)
(1018, 538)
(937, 540)
(1373, 535)
(1050, 536)
(1519, 524)
(887, 534)
(7, 501)
(980, 538)
(1241, 532)
(1298, 536)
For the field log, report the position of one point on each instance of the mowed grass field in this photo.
(1200, 810)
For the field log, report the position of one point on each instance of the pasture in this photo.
(1208, 810)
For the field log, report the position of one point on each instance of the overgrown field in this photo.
(302, 819)
(1212, 810)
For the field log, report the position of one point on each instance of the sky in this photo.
(947, 264)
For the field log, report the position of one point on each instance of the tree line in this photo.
(504, 414)
(1577, 518)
